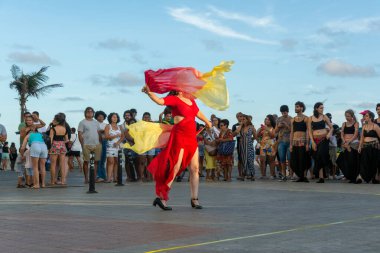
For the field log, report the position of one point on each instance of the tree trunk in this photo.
(23, 100)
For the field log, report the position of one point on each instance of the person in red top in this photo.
(181, 149)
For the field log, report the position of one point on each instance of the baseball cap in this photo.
(364, 112)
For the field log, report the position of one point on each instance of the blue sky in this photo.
(284, 51)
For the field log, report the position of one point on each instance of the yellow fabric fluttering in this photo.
(214, 93)
(148, 135)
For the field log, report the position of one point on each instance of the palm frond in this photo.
(16, 85)
(16, 72)
(44, 90)
(36, 79)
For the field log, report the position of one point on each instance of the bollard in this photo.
(91, 185)
(120, 168)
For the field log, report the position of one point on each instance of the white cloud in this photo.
(118, 44)
(314, 90)
(32, 58)
(363, 25)
(264, 22)
(185, 15)
(340, 68)
(21, 46)
(122, 79)
(316, 57)
(366, 105)
(71, 99)
(320, 39)
(74, 111)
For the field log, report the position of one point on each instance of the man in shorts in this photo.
(89, 138)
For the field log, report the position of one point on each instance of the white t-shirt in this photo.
(215, 130)
(76, 144)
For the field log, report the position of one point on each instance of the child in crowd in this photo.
(28, 168)
(20, 170)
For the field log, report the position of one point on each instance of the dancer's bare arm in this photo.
(152, 96)
(202, 117)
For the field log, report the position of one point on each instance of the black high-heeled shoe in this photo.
(194, 205)
(158, 202)
(320, 181)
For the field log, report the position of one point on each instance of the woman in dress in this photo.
(247, 134)
(320, 136)
(114, 136)
(266, 133)
(225, 162)
(369, 149)
(181, 149)
(13, 155)
(348, 160)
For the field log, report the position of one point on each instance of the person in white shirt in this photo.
(75, 150)
(37, 121)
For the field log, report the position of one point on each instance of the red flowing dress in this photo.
(182, 136)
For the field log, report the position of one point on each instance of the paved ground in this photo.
(260, 216)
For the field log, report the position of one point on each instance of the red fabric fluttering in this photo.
(185, 79)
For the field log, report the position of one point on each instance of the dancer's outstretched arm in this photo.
(151, 95)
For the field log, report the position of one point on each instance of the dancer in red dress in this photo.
(181, 149)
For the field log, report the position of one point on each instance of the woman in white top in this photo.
(113, 135)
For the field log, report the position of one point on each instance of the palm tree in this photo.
(30, 85)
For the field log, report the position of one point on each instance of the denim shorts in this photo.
(39, 150)
(20, 169)
(129, 153)
(151, 152)
(283, 151)
(157, 151)
(29, 171)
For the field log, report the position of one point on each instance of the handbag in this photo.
(211, 150)
(226, 148)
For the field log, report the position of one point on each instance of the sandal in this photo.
(35, 187)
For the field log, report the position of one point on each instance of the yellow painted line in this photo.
(264, 234)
